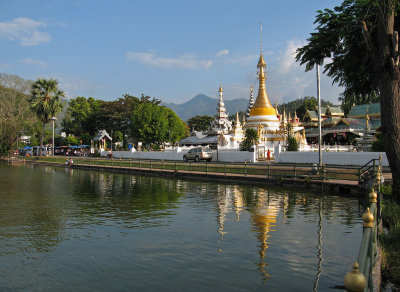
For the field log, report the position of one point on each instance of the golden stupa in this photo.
(262, 106)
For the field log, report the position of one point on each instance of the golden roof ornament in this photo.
(220, 88)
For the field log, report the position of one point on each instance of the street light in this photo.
(52, 120)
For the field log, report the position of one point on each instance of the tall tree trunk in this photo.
(41, 140)
(389, 85)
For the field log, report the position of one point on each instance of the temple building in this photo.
(251, 103)
(263, 117)
(221, 124)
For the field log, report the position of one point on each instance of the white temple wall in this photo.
(223, 155)
(338, 158)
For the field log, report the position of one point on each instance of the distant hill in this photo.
(204, 105)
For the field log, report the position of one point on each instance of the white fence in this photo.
(178, 152)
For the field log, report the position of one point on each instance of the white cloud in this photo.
(242, 60)
(25, 30)
(187, 61)
(29, 61)
(287, 60)
(222, 53)
(287, 80)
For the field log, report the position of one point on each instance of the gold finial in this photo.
(220, 88)
(373, 196)
(355, 280)
(295, 115)
(368, 219)
(304, 134)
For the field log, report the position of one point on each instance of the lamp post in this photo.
(52, 120)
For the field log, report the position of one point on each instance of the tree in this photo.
(82, 116)
(361, 38)
(251, 137)
(45, 102)
(15, 117)
(149, 124)
(292, 144)
(200, 123)
(177, 128)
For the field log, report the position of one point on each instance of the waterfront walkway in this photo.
(335, 178)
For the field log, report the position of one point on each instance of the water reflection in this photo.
(225, 235)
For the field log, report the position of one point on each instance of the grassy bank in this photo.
(390, 239)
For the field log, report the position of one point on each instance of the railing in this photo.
(360, 278)
(281, 172)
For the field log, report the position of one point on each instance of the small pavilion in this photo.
(100, 140)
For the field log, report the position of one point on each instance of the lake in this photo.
(64, 229)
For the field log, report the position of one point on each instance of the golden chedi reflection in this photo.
(264, 220)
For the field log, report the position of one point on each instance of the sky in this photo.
(171, 50)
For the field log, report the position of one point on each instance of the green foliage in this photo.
(177, 128)
(71, 140)
(82, 116)
(85, 139)
(45, 102)
(292, 144)
(149, 124)
(200, 123)
(16, 118)
(339, 37)
(117, 136)
(85, 116)
(390, 241)
(378, 144)
(251, 137)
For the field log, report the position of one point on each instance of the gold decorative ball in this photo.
(373, 196)
(355, 280)
(368, 219)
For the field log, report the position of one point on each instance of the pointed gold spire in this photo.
(262, 106)
(220, 88)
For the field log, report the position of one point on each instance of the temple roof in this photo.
(100, 135)
(360, 111)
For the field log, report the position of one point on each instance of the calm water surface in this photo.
(76, 230)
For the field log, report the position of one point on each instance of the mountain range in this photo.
(204, 105)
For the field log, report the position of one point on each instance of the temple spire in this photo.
(262, 106)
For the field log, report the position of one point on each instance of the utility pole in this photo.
(319, 118)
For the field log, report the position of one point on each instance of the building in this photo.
(263, 117)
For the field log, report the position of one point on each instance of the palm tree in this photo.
(45, 102)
